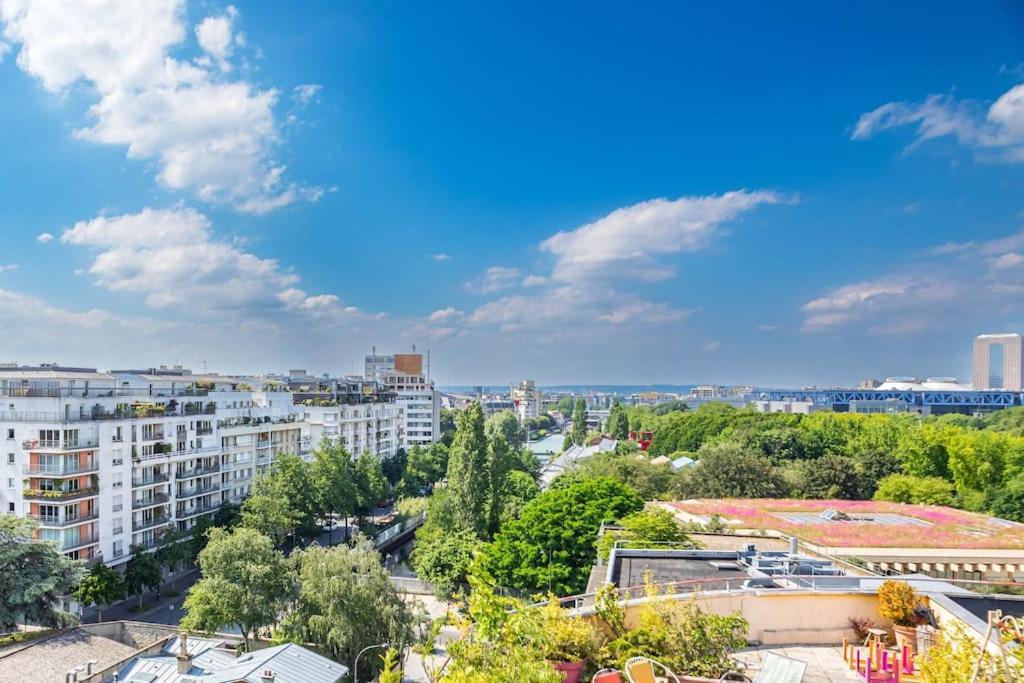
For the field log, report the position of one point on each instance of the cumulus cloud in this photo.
(625, 242)
(304, 94)
(44, 238)
(172, 258)
(208, 136)
(996, 132)
(952, 281)
(495, 279)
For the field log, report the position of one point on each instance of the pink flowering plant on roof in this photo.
(942, 528)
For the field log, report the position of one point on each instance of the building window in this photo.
(10, 482)
(10, 433)
(10, 507)
(10, 458)
(995, 366)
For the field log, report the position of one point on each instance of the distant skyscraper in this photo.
(997, 361)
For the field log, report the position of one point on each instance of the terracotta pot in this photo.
(906, 635)
(573, 671)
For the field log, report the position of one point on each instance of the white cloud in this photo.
(439, 257)
(767, 328)
(215, 36)
(495, 279)
(711, 346)
(954, 281)
(304, 94)
(9, 267)
(211, 137)
(534, 281)
(625, 242)
(44, 238)
(996, 133)
(445, 314)
(171, 257)
(1009, 260)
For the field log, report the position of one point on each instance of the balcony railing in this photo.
(59, 444)
(96, 414)
(198, 510)
(151, 479)
(197, 472)
(198, 491)
(192, 451)
(37, 390)
(46, 494)
(71, 544)
(204, 431)
(61, 469)
(59, 521)
(139, 525)
(150, 501)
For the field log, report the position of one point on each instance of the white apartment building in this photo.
(107, 460)
(418, 402)
(527, 399)
(360, 427)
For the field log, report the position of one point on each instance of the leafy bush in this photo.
(681, 636)
(899, 603)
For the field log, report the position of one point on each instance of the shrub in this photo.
(899, 603)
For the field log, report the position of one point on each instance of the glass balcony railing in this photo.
(149, 501)
(61, 469)
(47, 494)
(62, 521)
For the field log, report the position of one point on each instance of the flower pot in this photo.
(572, 671)
(906, 635)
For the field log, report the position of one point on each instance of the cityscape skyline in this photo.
(225, 185)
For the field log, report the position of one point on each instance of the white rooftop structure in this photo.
(929, 384)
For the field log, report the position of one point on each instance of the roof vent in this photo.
(267, 676)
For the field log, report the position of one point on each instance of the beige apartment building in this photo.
(997, 362)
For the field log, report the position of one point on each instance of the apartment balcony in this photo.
(47, 495)
(150, 480)
(62, 521)
(204, 431)
(59, 445)
(192, 452)
(197, 491)
(197, 472)
(150, 501)
(61, 469)
(151, 523)
(74, 544)
(198, 510)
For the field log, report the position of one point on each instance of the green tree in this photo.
(100, 587)
(447, 425)
(33, 576)
(141, 573)
(506, 425)
(648, 480)
(830, 476)
(552, 544)
(294, 478)
(245, 583)
(653, 527)
(578, 432)
(872, 467)
(618, 422)
(394, 466)
(270, 511)
(198, 537)
(347, 602)
(424, 468)
(520, 489)
(499, 464)
(174, 549)
(905, 488)
(331, 474)
(565, 406)
(469, 470)
(728, 471)
(1007, 501)
(443, 557)
(370, 484)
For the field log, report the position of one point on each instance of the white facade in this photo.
(527, 399)
(105, 461)
(417, 399)
(361, 427)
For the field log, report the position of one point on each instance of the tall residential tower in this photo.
(997, 362)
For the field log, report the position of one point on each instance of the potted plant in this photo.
(568, 643)
(899, 603)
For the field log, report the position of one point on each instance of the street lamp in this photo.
(355, 665)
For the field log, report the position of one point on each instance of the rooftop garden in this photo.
(947, 527)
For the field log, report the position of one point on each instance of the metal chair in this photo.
(642, 670)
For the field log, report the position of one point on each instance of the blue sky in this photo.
(679, 192)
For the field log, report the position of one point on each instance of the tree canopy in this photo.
(33, 576)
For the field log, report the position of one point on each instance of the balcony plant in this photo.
(567, 642)
(899, 603)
